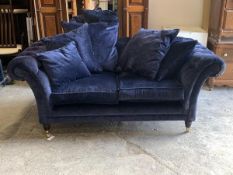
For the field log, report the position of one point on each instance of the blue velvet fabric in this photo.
(91, 16)
(98, 15)
(145, 51)
(63, 65)
(202, 64)
(138, 89)
(55, 42)
(121, 44)
(104, 39)
(69, 26)
(78, 19)
(177, 55)
(96, 89)
(83, 42)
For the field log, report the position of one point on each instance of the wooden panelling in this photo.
(135, 16)
(228, 21)
(228, 72)
(135, 22)
(48, 2)
(50, 23)
(49, 15)
(136, 2)
(229, 4)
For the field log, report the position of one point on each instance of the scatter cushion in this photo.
(145, 51)
(121, 44)
(55, 42)
(83, 42)
(104, 38)
(63, 64)
(98, 15)
(97, 89)
(84, 45)
(177, 55)
(69, 26)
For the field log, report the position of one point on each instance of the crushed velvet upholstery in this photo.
(200, 66)
(120, 45)
(69, 26)
(83, 42)
(96, 89)
(177, 55)
(133, 88)
(145, 51)
(64, 59)
(98, 15)
(104, 39)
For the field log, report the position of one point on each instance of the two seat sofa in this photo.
(111, 96)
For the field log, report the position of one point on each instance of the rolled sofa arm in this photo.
(22, 66)
(202, 65)
(26, 68)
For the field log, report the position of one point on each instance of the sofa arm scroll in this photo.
(202, 65)
(26, 68)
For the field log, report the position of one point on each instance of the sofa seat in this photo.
(138, 89)
(96, 89)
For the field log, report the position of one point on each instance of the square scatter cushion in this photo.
(83, 42)
(104, 38)
(145, 51)
(177, 55)
(63, 65)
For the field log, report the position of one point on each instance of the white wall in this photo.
(189, 13)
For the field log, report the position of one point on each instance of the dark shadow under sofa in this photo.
(110, 96)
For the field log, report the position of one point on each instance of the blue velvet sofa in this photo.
(110, 96)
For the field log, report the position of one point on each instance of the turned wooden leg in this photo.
(48, 135)
(188, 125)
(210, 84)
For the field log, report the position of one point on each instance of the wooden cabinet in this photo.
(133, 15)
(221, 38)
(49, 14)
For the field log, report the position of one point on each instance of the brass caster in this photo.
(188, 130)
(49, 136)
(210, 88)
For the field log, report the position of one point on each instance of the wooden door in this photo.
(49, 14)
(134, 15)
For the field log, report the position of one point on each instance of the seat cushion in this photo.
(138, 89)
(96, 89)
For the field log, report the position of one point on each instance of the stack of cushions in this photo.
(156, 55)
(145, 51)
(103, 30)
(177, 55)
(89, 45)
(83, 43)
